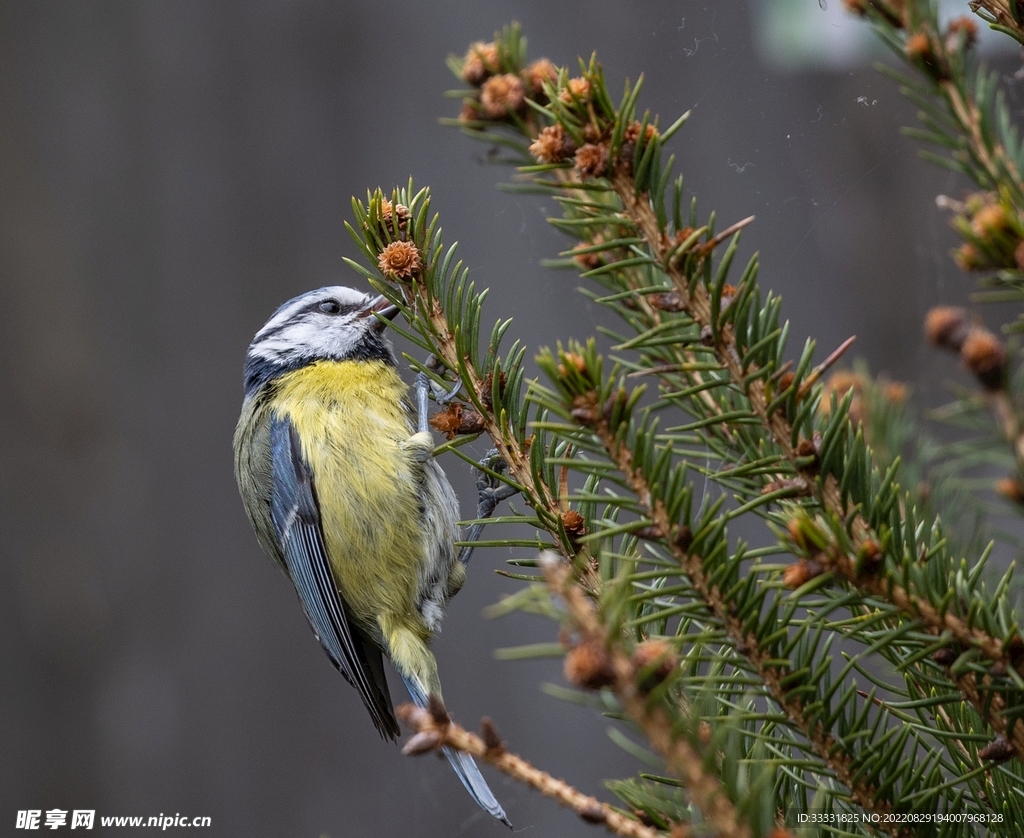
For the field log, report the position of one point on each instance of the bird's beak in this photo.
(384, 307)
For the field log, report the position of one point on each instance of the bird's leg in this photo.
(490, 492)
(441, 396)
(425, 388)
(422, 389)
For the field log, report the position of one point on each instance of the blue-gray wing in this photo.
(296, 516)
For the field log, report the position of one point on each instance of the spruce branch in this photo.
(617, 169)
(775, 672)
(716, 350)
(719, 658)
(1004, 16)
(966, 116)
(433, 729)
(681, 757)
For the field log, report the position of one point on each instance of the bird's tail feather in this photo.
(464, 765)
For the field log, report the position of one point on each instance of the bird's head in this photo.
(333, 323)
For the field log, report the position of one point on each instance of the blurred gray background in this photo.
(170, 173)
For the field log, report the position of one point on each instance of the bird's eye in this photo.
(330, 307)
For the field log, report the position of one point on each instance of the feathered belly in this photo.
(352, 422)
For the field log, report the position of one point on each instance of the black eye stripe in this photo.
(332, 307)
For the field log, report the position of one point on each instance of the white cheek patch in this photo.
(315, 336)
(299, 331)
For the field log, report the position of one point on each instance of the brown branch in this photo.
(435, 729)
(1000, 10)
(835, 559)
(969, 116)
(683, 760)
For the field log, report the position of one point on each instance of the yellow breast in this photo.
(351, 418)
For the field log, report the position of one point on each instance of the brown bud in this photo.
(989, 221)
(653, 661)
(796, 533)
(870, 551)
(800, 573)
(918, 46)
(552, 145)
(1013, 648)
(489, 733)
(576, 88)
(456, 420)
(842, 382)
(481, 61)
(678, 239)
(961, 27)
(470, 113)
(572, 360)
(574, 523)
(728, 295)
(584, 409)
(969, 258)
(632, 133)
(984, 355)
(946, 326)
(590, 666)
(895, 392)
(667, 301)
(394, 217)
(945, 656)
(586, 261)
(809, 448)
(487, 391)
(438, 712)
(502, 95)
(400, 260)
(998, 750)
(919, 49)
(1011, 488)
(537, 73)
(592, 812)
(869, 557)
(684, 538)
(423, 742)
(591, 160)
(413, 716)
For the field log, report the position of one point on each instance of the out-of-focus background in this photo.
(170, 173)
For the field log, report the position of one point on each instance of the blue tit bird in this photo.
(344, 495)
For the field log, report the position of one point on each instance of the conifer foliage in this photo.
(859, 675)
